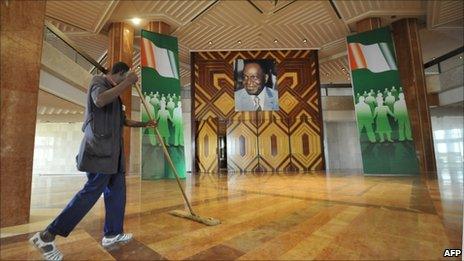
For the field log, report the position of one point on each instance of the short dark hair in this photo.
(119, 67)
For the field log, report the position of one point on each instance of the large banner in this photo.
(382, 117)
(161, 89)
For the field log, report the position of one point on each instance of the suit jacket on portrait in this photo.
(244, 101)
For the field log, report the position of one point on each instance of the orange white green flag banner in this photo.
(381, 114)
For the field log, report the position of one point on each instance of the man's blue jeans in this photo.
(114, 188)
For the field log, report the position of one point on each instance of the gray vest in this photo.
(101, 149)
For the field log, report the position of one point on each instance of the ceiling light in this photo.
(210, 43)
(343, 69)
(276, 41)
(433, 58)
(136, 20)
(239, 42)
(460, 57)
(305, 41)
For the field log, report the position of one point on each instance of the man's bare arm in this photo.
(109, 95)
(139, 124)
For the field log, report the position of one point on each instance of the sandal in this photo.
(48, 249)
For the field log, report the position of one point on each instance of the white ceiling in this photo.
(224, 23)
(53, 108)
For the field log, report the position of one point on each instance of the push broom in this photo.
(179, 213)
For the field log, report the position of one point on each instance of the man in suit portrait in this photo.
(256, 95)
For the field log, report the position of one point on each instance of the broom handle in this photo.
(166, 153)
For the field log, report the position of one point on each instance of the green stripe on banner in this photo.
(383, 122)
(388, 55)
(172, 62)
(157, 88)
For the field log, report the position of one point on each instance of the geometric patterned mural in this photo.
(206, 143)
(286, 140)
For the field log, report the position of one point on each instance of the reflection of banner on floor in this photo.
(161, 89)
(381, 113)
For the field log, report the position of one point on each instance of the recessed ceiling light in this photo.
(276, 41)
(239, 42)
(210, 43)
(136, 20)
(305, 41)
(460, 57)
(433, 58)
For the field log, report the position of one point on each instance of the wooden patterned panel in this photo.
(305, 144)
(206, 140)
(263, 141)
(242, 143)
(273, 144)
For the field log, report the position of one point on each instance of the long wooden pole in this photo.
(166, 153)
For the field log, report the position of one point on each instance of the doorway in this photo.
(222, 145)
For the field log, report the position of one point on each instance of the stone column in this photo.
(158, 27)
(411, 70)
(368, 24)
(121, 48)
(22, 27)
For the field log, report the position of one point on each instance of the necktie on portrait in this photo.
(257, 103)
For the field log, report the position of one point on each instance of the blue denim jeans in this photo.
(113, 187)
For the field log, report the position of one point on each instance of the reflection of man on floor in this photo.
(256, 96)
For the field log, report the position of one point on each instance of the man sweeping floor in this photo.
(101, 156)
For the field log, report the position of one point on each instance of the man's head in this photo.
(254, 78)
(119, 72)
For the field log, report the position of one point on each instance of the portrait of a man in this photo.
(255, 85)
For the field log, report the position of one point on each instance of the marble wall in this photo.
(55, 149)
(341, 146)
(57, 143)
(21, 48)
(448, 136)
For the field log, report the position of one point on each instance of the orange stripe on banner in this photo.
(356, 56)
(151, 55)
(152, 48)
(148, 56)
(353, 65)
(360, 56)
(146, 48)
(143, 55)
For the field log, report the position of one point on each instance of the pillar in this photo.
(368, 24)
(22, 25)
(158, 27)
(411, 70)
(121, 48)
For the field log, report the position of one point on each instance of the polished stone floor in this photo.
(264, 216)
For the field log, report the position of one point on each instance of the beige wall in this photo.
(56, 146)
